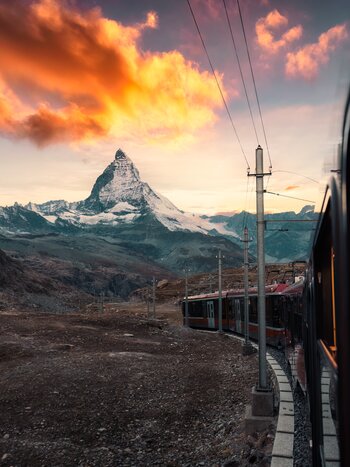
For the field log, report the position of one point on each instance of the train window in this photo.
(268, 310)
(230, 308)
(224, 308)
(242, 309)
(195, 309)
(204, 308)
(277, 309)
(253, 316)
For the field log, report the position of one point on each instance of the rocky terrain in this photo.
(56, 283)
(117, 389)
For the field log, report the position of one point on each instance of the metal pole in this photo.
(186, 299)
(101, 302)
(220, 294)
(246, 297)
(154, 297)
(261, 266)
(148, 300)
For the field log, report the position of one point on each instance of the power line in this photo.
(218, 84)
(296, 173)
(252, 73)
(241, 73)
(292, 197)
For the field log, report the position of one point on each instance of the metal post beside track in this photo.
(246, 297)
(186, 299)
(247, 348)
(220, 293)
(154, 297)
(148, 300)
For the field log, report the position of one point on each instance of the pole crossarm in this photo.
(259, 175)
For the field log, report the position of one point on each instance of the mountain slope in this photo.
(288, 235)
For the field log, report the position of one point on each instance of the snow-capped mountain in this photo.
(119, 196)
(124, 207)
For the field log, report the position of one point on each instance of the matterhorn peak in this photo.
(120, 155)
(119, 183)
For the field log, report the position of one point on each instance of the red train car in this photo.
(293, 306)
(203, 312)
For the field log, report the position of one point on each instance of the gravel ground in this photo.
(117, 390)
(302, 427)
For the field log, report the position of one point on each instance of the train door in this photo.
(238, 316)
(211, 315)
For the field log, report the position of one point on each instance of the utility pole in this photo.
(220, 293)
(262, 396)
(102, 302)
(154, 297)
(261, 266)
(247, 348)
(186, 298)
(148, 296)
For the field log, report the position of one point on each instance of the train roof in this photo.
(269, 289)
(295, 288)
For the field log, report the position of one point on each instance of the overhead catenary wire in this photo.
(291, 197)
(240, 71)
(253, 78)
(296, 173)
(218, 84)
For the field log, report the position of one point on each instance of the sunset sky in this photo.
(80, 79)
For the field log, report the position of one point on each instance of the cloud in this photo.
(291, 187)
(306, 61)
(72, 75)
(265, 32)
(208, 10)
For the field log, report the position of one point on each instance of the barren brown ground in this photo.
(115, 389)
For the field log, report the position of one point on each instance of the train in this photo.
(203, 312)
(309, 320)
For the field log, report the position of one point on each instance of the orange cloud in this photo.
(266, 26)
(307, 60)
(72, 75)
(291, 187)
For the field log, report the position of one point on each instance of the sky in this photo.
(80, 79)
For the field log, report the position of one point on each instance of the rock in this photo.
(6, 436)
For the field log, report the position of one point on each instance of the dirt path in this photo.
(116, 390)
